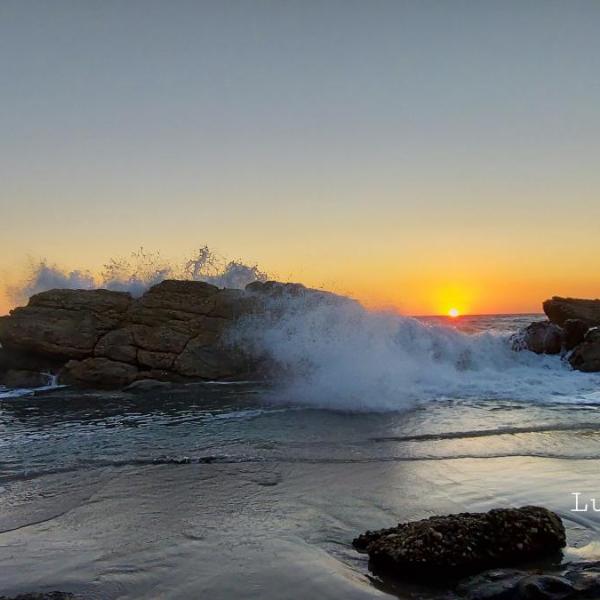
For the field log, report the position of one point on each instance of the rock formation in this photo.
(558, 310)
(463, 544)
(586, 356)
(176, 331)
(541, 337)
(574, 332)
(573, 327)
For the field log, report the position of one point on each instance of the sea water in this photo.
(256, 490)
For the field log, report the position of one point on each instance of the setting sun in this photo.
(453, 312)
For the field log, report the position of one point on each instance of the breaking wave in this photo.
(331, 352)
(338, 355)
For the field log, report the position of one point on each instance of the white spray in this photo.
(338, 355)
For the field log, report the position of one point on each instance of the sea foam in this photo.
(342, 356)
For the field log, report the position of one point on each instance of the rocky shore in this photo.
(571, 330)
(464, 544)
(177, 331)
(474, 555)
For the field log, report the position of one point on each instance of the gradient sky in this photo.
(414, 154)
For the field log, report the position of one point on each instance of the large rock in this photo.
(41, 596)
(541, 337)
(176, 330)
(463, 544)
(63, 323)
(586, 356)
(574, 332)
(20, 378)
(559, 310)
(99, 373)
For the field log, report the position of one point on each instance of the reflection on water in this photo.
(69, 430)
(216, 491)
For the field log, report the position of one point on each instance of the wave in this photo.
(136, 274)
(478, 433)
(339, 355)
(331, 352)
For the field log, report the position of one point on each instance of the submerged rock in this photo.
(14, 378)
(541, 337)
(466, 543)
(560, 309)
(586, 356)
(575, 581)
(145, 385)
(41, 596)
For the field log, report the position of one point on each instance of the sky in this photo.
(416, 155)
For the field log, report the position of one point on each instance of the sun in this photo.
(454, 312)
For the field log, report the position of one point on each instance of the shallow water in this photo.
(232, 491)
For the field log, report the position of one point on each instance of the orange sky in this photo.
(424, 279)
(416, 155)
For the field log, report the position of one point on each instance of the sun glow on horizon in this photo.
(454, 313)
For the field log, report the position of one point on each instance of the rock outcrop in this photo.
(558, 310)
(63, 323)
(586, 356)
(22, 378)
(176, 331)
(463, 544)
(574, 332)
(541, 337)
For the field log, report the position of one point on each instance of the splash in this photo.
(338, 355)
(136, 273)
(44, 276)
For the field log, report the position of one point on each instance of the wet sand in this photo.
(279, 530)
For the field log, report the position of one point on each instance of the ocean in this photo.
(256, 489)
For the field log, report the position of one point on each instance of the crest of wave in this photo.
(336, 354)
(136, 274)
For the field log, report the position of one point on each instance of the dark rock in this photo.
(98, 372)
(560, 582)
(574, 332)
(117, 345)
(26, 361)
(41, 596)
(541, 337)
(24, 379)
(545, 587)
(145, 385)
(205, 360)
(464, 543)
(586, 356)
(559, 310)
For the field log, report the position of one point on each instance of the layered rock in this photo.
(558, 310)
(175, 331)
(465, 543)
(63, 323)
